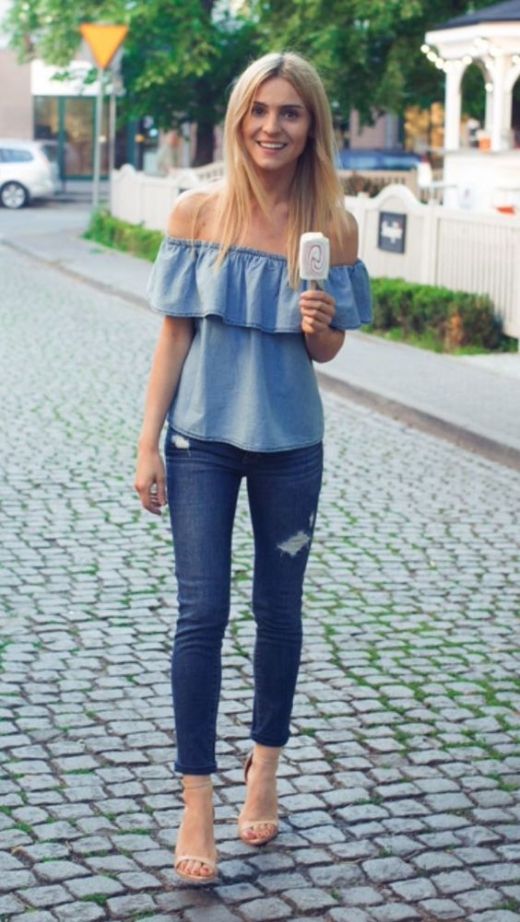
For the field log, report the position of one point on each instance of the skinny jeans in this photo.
(203, 480)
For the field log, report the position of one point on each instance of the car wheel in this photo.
(13, 195)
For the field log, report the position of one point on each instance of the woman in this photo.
(233, 372)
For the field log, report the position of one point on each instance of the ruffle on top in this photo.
(249, 289)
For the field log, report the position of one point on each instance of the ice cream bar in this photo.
(314, 257)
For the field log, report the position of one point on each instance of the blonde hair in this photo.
(316, 200)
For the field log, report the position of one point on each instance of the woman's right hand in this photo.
(150, 480)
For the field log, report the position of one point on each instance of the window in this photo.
(13, 155)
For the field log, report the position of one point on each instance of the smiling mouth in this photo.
(269, 145)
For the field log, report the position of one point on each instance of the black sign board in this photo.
(392, 231)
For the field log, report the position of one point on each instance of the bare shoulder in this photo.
(344, 240)
(191, 213)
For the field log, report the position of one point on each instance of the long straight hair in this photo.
(316, 195)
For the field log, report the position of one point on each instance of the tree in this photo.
(179, 59)
(368, 51)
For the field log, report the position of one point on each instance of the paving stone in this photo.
(498, 873)
(46, 896)
(9, 905)
(441, 909)
(124, 907)
(138, 880)
(238, 893)
(15, 880)
(418, 889)
(435, 861)
(350, 915)
(10, 863)
(395, 912)
(262, 909)
(480, 899)
(79, 912)
(336, 875)
(309, 899)
(59, 870)
(450, 882)
(361, 896)
(87, 887)
(381, 870)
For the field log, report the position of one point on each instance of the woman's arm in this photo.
(318, 307)
(172, 348)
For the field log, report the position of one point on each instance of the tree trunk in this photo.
(205, 144)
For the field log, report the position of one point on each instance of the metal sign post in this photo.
(97, 140)
(103, 41)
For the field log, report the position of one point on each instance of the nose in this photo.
(271, 123)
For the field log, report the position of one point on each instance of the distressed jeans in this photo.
(203, 480)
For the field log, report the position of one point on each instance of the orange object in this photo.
(506, 209)
(103, 41)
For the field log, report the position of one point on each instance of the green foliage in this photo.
(368, 51)
(450, 320)
(474, 93)
(179, 58)
(120, 235)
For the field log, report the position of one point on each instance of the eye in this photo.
(257, 109)
(291, 114)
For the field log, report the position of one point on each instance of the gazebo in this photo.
(490, 38)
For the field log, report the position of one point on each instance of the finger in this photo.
(161, 491)
(310, 297)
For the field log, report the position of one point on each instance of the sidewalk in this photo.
(473, 401)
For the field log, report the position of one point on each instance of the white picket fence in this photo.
(462, 250)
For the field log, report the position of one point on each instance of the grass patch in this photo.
(120, 235)
(99, 898)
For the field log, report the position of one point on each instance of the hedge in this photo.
(455, 318)
(120, 235)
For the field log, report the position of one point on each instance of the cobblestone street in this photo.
(400, 787)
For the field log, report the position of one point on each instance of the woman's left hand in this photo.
(317, 309)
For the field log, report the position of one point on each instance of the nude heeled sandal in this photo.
(206, 861)
(245, 825)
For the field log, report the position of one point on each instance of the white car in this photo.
(26, 172)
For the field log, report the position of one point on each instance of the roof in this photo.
(497, 12)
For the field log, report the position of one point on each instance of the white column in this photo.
(498, 142)
(452, 105)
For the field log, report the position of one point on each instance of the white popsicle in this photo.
(314, 257)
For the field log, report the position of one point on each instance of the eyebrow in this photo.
(285, 105)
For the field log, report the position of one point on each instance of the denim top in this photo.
(248, 379)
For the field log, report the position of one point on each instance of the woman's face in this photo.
(276, 128)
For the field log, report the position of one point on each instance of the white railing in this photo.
(461, 250)
(455, 248)
(142, 199)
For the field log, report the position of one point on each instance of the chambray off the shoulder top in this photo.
(248, 379)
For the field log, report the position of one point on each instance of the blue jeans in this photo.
(203, 480)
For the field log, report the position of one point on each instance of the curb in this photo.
(425, 422)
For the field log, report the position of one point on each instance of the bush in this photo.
(133, 238)
(456, 319)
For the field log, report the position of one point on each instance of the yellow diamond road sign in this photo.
(103, 41)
